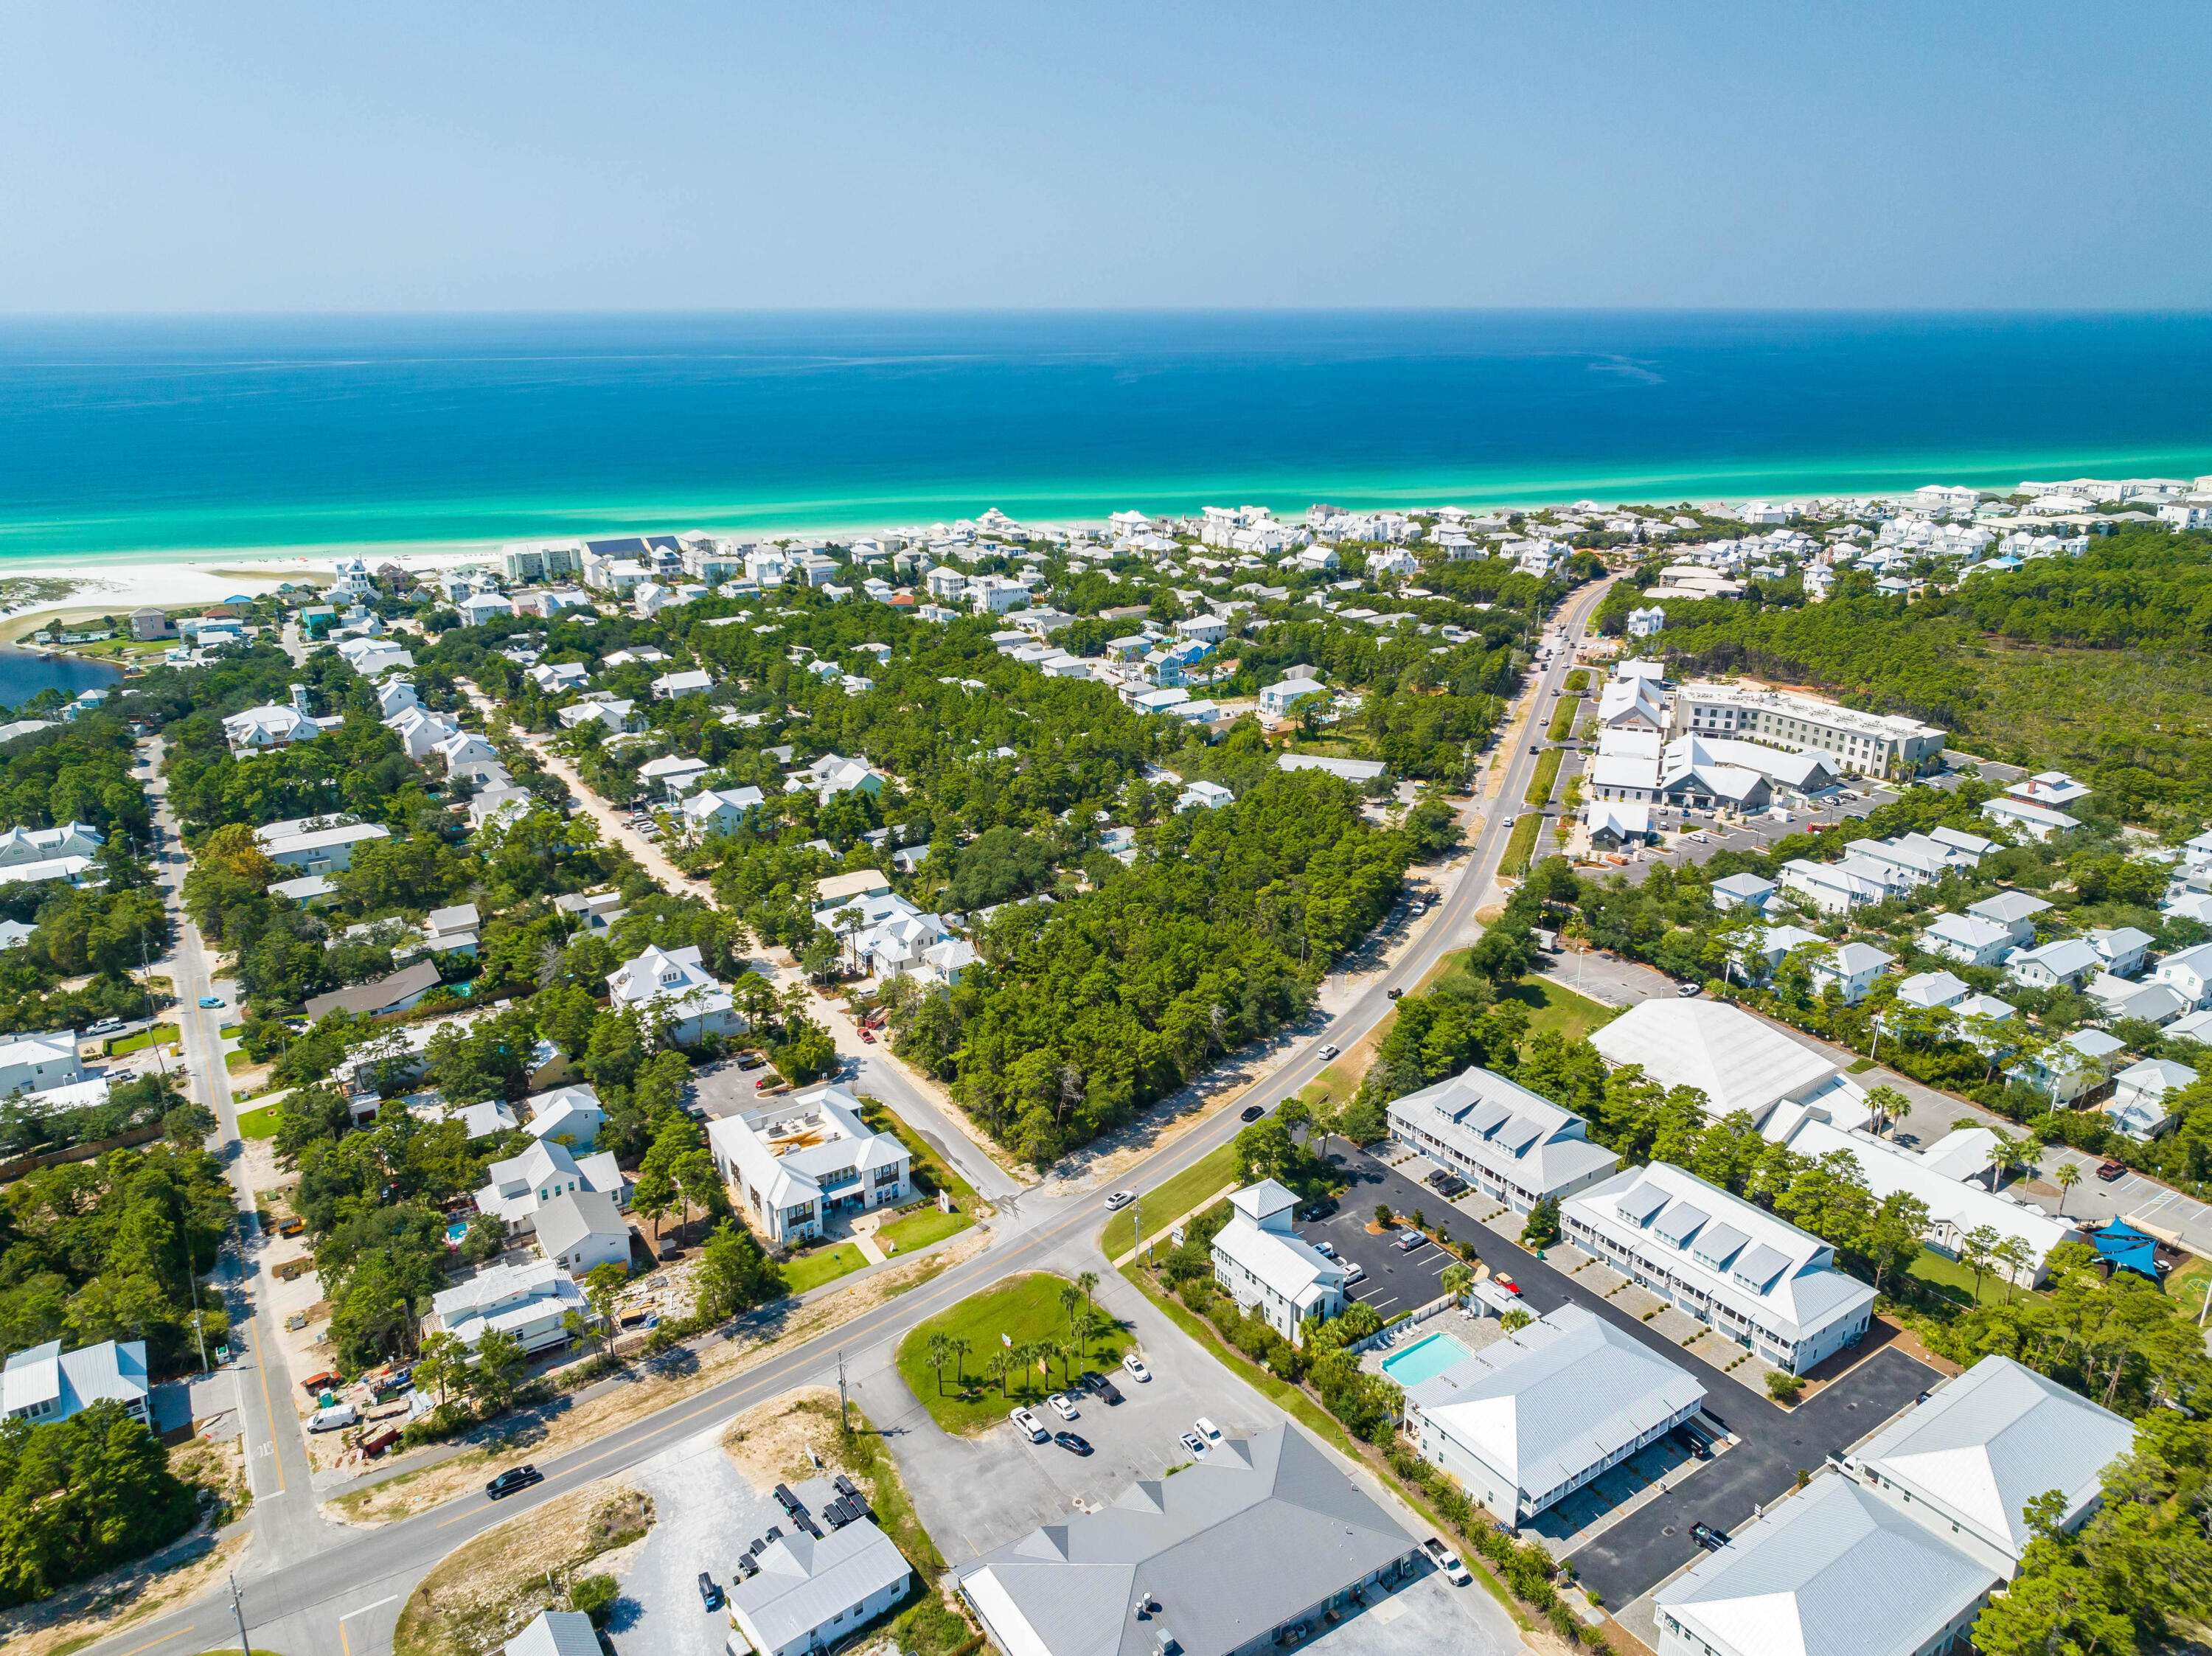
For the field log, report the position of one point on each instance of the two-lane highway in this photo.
(321, 1590)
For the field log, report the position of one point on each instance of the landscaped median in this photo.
(1521, 843)
(1197, 1183)
(1012, 1343)
(1547, 777)
(1562, 721)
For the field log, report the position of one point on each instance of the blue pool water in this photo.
(457, 1230)
(1424, 1359)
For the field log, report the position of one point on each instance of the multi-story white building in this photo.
(1731, 1264)
(46, 1384)
(1268, 1269)
(805, 1158)
(1531, 1418)
(529, 1301)
(674, 988)
(1866, 745)
(1516, 1147)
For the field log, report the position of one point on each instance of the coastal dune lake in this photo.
(169, 436)
(25, 673)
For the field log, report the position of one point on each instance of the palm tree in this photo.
(1001, 1360)
(1070, 1297)
(960, 1360)
(1088, 1281)
(2067, 1175)
(940, 1354)
(1515, 1320)
(1455, 1280)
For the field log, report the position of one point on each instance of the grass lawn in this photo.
(822, 1264)
(1550, 1007)
(1954, 1280)
(1522, 841)
(919, 1230)
(2187, 1286)
(1179, 1194)
(1562, 721)
(1545, 779)
(1024, 1310)
(165, 1033)
(258, 1123)
(237, 1059)
(927, 1160)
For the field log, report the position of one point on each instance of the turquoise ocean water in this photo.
(171, 438)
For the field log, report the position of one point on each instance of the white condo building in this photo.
(1740, 1270)
(1867, 744)
(1514, 1146)
(1534, 1417)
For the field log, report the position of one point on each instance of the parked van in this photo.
(334, 1418)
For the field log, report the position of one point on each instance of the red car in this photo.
(1507, 1283)
(2111, 1170)
(867, 1035)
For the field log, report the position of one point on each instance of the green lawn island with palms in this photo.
(1014, 1343)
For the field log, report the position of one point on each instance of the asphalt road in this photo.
(316, 1589)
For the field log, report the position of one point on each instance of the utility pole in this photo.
(238, 1610)
(844, 1420)
(153, 1015)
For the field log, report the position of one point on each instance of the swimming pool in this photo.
(1424, 1359)
(457, 1230)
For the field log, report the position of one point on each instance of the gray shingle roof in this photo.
(1255, 1534)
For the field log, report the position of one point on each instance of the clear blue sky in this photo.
(484, 155)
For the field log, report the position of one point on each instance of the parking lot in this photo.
(976, 1494)
(1649, 1543)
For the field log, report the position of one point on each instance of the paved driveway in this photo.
(705, 1513)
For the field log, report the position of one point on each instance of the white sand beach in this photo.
(118, 588)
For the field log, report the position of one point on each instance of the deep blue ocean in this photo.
(169, 437)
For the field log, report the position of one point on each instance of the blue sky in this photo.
(495, 156)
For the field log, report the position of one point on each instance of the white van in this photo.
(337, 1416)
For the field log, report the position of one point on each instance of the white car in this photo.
(1208, 1432)
(1060, 1405)
(1137, 1370)
(1355, 1272)
(1328, 1051)
(1418, 909)
(1026, 1421)
(1120, 1199)
(1196, 1444)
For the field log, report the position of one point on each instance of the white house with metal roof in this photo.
(1270, 1270)
(2138, 1106)
(803, 1158)
(1731, 1264)
(517, 1186)
(1738, 1062)
(2066, 961)
(2189, 971)
(809, 1592)
(529, 1301)
(1515, 1146)
(46, 1384)
(2015, 911)
(1852, 967)
(37, 1063)
(1532, 1418)
(582, 1230)
(675, 989)
(557, 1633)
(1969, 939)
